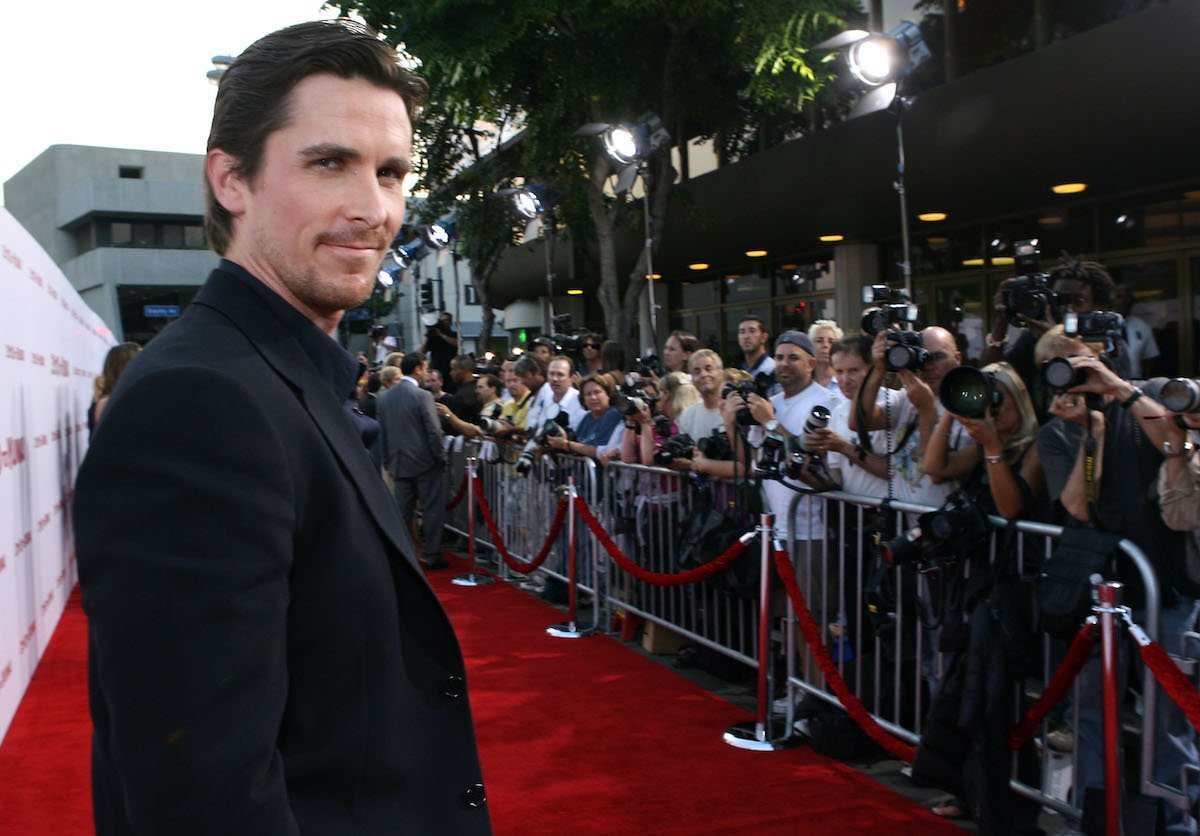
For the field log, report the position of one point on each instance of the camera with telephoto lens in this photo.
(760, 385)
(1029, 294)
(940, 537)
(1178, 394)
(904, 351)
(676, 447)
(1059, 375)
(968, 392)
(556, 425)
(490, 426)
(648, 365)
(631, 398)
(892, 309)
(804, 461)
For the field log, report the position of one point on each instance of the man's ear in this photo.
(226, 182)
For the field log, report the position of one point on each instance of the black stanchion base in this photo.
(473, 579)
(570, 630)
(771, 736)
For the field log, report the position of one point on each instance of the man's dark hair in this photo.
(762, 326)
(411, 361)
(254, 95)
(859, 344)
(1092, 272)
(530, 364)
(687, 340)
(492, 382)
(465, 361)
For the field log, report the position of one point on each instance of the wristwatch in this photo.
(1169, 451)
(772, 425)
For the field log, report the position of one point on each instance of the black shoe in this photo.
(440, 563)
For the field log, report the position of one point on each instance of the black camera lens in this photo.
(1059, 374)
(1181, 394)
(968, 392)
(901, 550)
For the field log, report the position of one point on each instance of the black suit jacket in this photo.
(265, 655)
(410, 431)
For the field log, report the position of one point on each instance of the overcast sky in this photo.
(127, 74)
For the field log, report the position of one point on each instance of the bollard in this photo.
(570, 628)
(764, 733)
(1107, 600)
(472, 578)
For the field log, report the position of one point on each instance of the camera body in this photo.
(904, 351)
(632, 398)
(760, 385)
(490, 426)
(940, 536)
(649, 365)
(556, 426)
(803, 459)
(676, 447)
(892, 309)
(1095, 327)
(1030, 293)
(716, 446)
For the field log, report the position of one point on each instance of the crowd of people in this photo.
(899, 416)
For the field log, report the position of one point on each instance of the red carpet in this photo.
(577, 736)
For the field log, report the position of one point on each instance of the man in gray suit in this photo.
(414, 454)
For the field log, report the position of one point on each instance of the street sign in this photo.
(160, 311)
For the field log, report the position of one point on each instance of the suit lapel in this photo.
(283, 353)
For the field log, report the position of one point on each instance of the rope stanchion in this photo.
(849, 699)
(700, 573)
(1178, 687)
(458, 495)
(1081, 648)
(472, 578)
(514, 564)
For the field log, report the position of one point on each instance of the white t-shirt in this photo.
(1142, 345)
(854, 478)
(792, 413)
(910, 482)
(699, 421)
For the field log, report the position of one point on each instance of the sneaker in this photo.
(535, 585)
(781, 705)
(1061, 740)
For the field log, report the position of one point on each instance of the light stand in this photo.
(900, 105)
(549, 241)
(646, 183)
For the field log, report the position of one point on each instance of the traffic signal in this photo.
(427, 294)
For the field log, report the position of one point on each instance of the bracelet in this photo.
(994, 459)
(1132, 399)
(992, 342)
(1169, 451)
(941, 432)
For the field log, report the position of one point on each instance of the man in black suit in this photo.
(265, 656)
(414, 454)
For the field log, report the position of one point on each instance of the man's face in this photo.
(793, 367)
(461, 374)
(484, 391)
(1077, 294)
(850, 370)
(559, 378)
(822, 341)
(943, 356)
(750, 337)
(422, 375)
(543, 351)
(446, 320)
(515, 385)
(319, 215)
(433, 379)
(707, 375)
(530, 380)
(673, 356)
(594, 398)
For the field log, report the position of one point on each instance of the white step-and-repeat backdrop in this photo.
(51, 348)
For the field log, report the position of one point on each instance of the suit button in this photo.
(475, 797)
(454, 687)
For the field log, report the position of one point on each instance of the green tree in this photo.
(738, 72)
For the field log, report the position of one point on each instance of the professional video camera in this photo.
(968, 392)
(1029, 294)
(892, 308)
(760, 385)
(1179, 394)
(555, 425)
(940, 537)
(567, 339)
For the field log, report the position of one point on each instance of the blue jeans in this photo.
(1174, 738)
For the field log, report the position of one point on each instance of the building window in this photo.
(172, 236)
(121, 234)
(131, 172)
(193, 237)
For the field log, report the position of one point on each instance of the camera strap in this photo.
(1089, 474)
(864, 437)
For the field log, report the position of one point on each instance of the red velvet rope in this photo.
(462, 490)
(517, 565)
(1173, 681)
(659, 578)
(1078, 653)
(850, 700)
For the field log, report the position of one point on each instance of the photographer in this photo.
(857, 472)
(441, 344)
(594, 432)
(1102, 454)
(912, 413)
(557, 391)
(655, 421)
(699, 420)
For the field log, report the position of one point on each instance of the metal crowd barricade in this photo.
(646, 510)
(896, 686)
